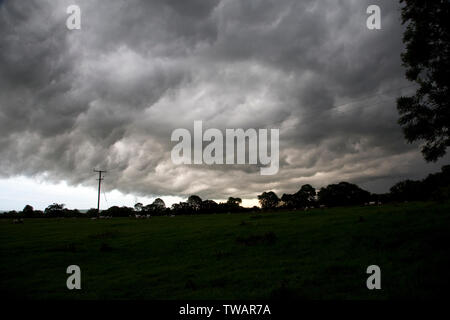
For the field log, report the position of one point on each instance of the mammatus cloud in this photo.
(109, 95)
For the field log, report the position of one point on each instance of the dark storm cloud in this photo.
(110, 94)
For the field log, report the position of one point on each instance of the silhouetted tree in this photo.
(159, 204)
(425, 116)
(138, 207)
(116, 211)
(343, 194)
(28, 210)
(234, 202)
(195, 202)
(209, 206)
(158, 207)
(175, 208)
(55, 209)
(437, 185)
(289, 201)
(306, 196)
(407, 190)
(268, 200)
(92, 212)
(182, 208)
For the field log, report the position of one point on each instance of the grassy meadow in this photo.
(315, 254)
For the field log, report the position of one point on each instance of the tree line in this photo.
(435, 187)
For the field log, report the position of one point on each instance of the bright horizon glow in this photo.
(17, 192)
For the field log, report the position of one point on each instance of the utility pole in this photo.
(99, 184)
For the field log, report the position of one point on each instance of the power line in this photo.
(372, 96)
(368, 105)
(104, 196)
(336, 109)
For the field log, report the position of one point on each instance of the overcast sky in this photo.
(109, 95)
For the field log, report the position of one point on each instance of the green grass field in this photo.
(317, 254)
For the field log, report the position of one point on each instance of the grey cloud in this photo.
(110, 95)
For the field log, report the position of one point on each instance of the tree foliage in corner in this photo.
(425, 116)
